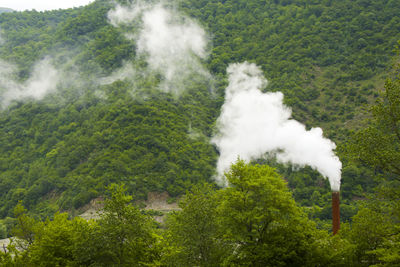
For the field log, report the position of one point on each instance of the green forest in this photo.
(106, 129)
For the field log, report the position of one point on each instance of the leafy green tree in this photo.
(378, 144)
(369, 228)
(60, 242)
(125, 236)
(375, 229)
(25, 230)
(191, 236)
(389, 252)
(253, 222)
(260, 220)
(57, 242)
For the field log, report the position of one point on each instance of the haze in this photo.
(42, 5)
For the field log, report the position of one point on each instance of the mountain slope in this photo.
(313, 51)
(60, 151)
(5, 10)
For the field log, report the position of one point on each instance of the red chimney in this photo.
(335, 212)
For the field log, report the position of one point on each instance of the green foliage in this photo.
(375, 228)
(28, 36)
(123, 236)
(319, 53)
(5, 10)
(378, 144)
(59, 153)
(389, 253)
(5, 227)
(261, 218)
(126, 236)
(192, 237)
(369, 228)
(254, 222)
(374, 234)
(59, 242)
(26, 228)
(80, 148)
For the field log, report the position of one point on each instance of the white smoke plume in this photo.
(253, 124)
(127, 14)
(172, 44)
(44, 80)
(126, 71)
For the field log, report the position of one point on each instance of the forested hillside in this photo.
(70, 145)
(116, 100)
(326, 56)
(60, 150)
(3, 10)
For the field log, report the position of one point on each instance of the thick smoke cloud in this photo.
(173, 45)
(43, 80)
(253, 124)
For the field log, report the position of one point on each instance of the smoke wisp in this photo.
(43, 80)
(126, 71)
(254, 124)
(172, 44)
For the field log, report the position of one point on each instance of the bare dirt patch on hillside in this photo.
(93, 209)
(159, 202)
(155, 201)
(4, 243)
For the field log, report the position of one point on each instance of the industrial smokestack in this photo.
(335, 212)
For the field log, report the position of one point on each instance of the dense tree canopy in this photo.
(375, 229)
(56, 154)
(378, 144)
(123, 236)
(255, 222)
(59, 153)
